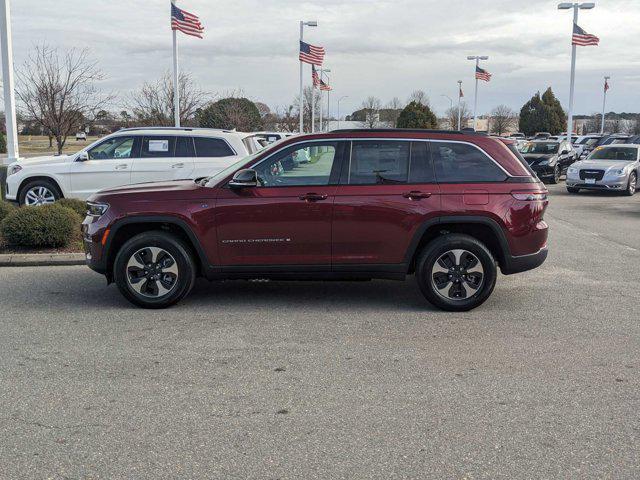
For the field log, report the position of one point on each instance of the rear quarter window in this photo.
(464, 163)
(212, 147)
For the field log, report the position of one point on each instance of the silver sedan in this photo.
(612, 167)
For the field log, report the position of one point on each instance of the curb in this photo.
(41, 259)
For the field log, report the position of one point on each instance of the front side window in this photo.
(463, 163)
(300, 165)
(158, 147)
(112, 148)
(212, 147)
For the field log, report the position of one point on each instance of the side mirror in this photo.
(564, 152)
(244, 178)
(83, 157)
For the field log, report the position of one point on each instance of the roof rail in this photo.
(185, 129)
(406, 130)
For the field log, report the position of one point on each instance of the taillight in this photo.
(530, 196)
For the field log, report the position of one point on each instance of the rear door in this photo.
(163, 157)
(387, 190)
(286, 221)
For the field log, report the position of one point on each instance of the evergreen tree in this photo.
(417, 115)
(558, 119)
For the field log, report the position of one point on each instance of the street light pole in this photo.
(477, 58)
(459, 105)
(604, 102)
(339, 100)
(311, 23)
(7, 82)
(576, 7)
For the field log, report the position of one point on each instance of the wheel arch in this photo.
(27, 180)
(124, 229)
(484, 229)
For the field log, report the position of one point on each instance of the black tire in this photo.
(555, 178)
(439, 247)
(50, 185)
(181, 285)
(631, 185)
(573, 190)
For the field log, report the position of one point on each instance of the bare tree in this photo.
(419, 96)
(503, 119)
(632, 127)
(288, 118)
(57, 91)
(394, 107)
(308, 93)
(371, 107)
(451, 116)
(152, 104)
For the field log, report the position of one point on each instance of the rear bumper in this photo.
(522, 263)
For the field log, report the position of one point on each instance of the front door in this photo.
(109, 165)
(387, 190)
(286, 220)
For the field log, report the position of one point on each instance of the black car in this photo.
(549, 159)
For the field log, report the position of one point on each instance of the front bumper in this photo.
(94, 234)
(617, 184)
(543, 171)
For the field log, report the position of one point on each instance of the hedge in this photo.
(5, 209)
(46, 226)
(74, 204)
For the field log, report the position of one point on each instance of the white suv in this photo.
(128, 156)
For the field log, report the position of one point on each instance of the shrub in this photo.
(74, 204)
(5, 209)
(3, 143)
(46, 226)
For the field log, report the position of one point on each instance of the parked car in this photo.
(126, 157)
(549, 159)
(607, 139)
(272, 137)
(81, 136)
(448, 207)
(541, 135)
(612, 167)
(517, 136)
(585, 142)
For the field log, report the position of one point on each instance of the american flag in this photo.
(460, 94)
(325, 86)
(482, 74)
(606, 84)
(582, 38)
(315, 76)
(311, 54)
(185, 22)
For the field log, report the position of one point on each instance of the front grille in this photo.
(597, 174)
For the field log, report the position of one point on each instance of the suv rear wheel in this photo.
(154, 270)
(456, 272)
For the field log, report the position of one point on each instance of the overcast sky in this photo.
(384, 48)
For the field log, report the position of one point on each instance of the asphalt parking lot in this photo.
(334, 380)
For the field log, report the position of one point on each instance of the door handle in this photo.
(312, 197)
(122, 166)
(177, 165)
(416, 195)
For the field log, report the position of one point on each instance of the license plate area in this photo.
(589, 181)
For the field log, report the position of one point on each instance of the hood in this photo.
(173, 190)
(48, 160)
(601, 164)
(536, 157)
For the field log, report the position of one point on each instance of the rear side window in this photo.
(212, 147)
(184, 147)
(379, 162)
(461, 162)
(158, 147)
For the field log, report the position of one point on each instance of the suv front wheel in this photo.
(154, 270)
(456, 272)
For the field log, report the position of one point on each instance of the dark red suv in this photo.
(448, 207)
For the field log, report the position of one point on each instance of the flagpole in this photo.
(459, 104)
(7, 82)
(176, 87)
(604, 102)
(320, 89)
(301, 82)
(573, 76)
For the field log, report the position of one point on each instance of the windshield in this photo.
(624, 154)
(540, 147)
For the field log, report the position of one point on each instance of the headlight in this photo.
(572, 170)
(13, 169)
(96, 209)
(544, 163)
(616, 172)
